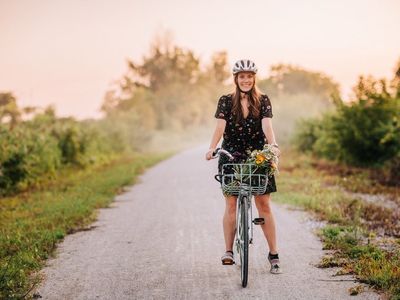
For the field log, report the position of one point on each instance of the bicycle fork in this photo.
(246, 194)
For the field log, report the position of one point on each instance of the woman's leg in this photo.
(264, 211)
(229, 221)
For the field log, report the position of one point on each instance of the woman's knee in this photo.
(263, 204)
(230, 205)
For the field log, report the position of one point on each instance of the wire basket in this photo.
(238, 176)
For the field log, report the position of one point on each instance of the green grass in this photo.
(353, 226)
(31, 224)
(370, 263)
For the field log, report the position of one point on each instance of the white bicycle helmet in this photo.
(244, 65)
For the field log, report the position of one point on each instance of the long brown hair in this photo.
(254, 101)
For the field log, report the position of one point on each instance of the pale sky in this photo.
(69, 52)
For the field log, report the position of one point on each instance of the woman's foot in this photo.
(275, 264)
(227, 258)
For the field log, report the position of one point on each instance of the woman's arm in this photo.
(269, 132)
(218, 132)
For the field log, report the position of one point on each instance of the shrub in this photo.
(35, 150)
(307, 134)
(24, 156)
(363, 133)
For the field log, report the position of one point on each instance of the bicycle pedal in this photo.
(259, 221)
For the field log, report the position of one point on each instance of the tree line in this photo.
(170, 91)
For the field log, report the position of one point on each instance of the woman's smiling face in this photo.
(246, 81)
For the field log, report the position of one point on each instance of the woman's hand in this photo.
(276, 150)
(209, 154)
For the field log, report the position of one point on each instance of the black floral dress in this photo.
(245, 135)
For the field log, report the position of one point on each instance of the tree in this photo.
(9, 111)
(168, 89)
(396, 80)
(370, 89)
(164, 65)
(294, 80)
(219, 69)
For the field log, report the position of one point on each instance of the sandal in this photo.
(227, 258)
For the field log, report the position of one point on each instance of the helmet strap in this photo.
(247, 93)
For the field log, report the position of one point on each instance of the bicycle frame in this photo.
(246, 193)
(243, 181)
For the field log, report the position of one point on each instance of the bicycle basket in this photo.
(248, 176)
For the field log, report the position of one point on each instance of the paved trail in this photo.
(162, 239)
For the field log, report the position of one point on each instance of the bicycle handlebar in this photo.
(217, 152)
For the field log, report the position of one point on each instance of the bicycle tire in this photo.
(243, 231)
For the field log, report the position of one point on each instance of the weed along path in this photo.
(162, 239)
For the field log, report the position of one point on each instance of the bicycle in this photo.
(244, 183)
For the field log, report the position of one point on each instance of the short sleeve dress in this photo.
(245, 135)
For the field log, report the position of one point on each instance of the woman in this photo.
(244, 121)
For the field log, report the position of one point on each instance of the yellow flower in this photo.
(260, 158)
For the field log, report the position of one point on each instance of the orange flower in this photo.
(260, 158)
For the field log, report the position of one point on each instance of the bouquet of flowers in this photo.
(265, 160)
(261, 162)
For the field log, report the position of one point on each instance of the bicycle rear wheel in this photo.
(243, 238)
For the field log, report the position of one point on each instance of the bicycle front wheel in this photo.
(243, 239)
